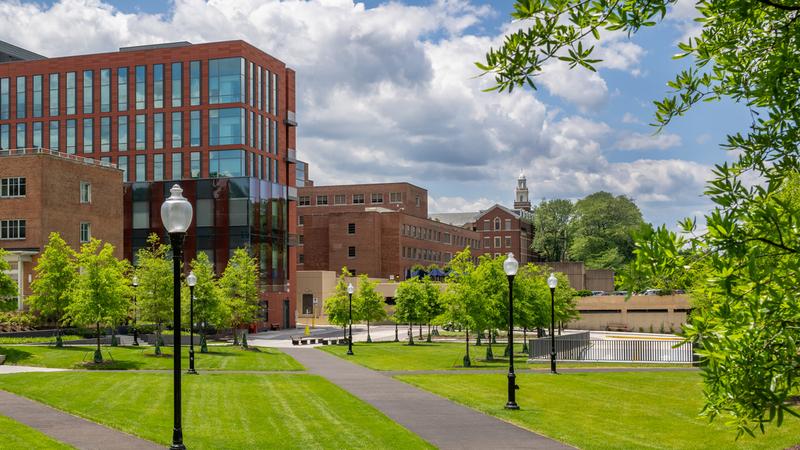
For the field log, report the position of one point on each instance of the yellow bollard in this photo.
(308, 333)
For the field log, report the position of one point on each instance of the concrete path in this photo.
(4, 369)
(67, 428)
(437, 420)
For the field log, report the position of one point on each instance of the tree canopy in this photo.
(55, 274)
(154, 296)
(208, 306)
(369, 303)
(551, 220)
(239, 288)
(602, 230)
(744, 262)
(337, 305)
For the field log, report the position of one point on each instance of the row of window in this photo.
(428, 234)
(355, 199)
(12, 187)
(221, 163)
(498, 242)
(14, 229)
(227, 126)
(425, 254)
(488, 227)
(230, 80)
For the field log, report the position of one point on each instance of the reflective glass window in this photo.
(122, 164)
(54, 135)
(176, 74)
(71, 123)
(194, 128)
(4, 98)
(205, 212)
(194, 83)
(177, 129)
(274, 101)
(105, 134)
(226, 163)
(122, 89)
(194, 165)
(140, 131)
(251, 91)
(88, 88)
(20, 97)
(250, 139)
(141, 167)
(36, 138)
(72, 95)
(21, 138)
(53, 86)
(37, 96)
(158, 130)
(141, 215)
(177, 166)
(141, 86)
(88, 135)
(122, 133)
(105, 90)
(226, 126)
(259, 93)
(158, 86)
(4, 136)
(226, 80)
(158, 167)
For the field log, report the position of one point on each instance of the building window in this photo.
(177, 129)
(176, 74)
(300, 258)
(53, 87)
(358, 199)
(205, 212)
(140, 131)
(141, 167)
(351, 228)
(122, 164)
(21, 135)
(508, 241)
(377, 197)
(194, 128)
(4, 98)
(304, 200)
(226, 163)
(141, 86)
(105, 90)
(141, 215)
(122, 134)
(274, 101)
(37, 96)
(5, 136)
(158, 130)
(194, 165)
(122, 89)
(105, 134)
(226, 80)
(351, 252)
(12, 229)
(20, 97)
(86, 232)
(88, 91)
(301, 220)
(299, 239)
(72, 94)
(88, 135)
(395, 197)
(53, 135)
(12, 187)
(194, 83)
(37, 135)
(416, 200)
(226, 126)
(158, 86)
(508, 224)
(86, 192)
(496, 223)
(322, 200)
(258, 87)
(177, 166)
(497, 242)
(158, 167)
(71, 124)
(339, 199)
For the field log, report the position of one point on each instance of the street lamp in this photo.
(552, 282)
(176, 215)
(135, 283)
(350, 291)
(191, 280)
(510, 266)
(314, 312)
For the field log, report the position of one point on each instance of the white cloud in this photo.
(457, 204)
(641, 141)
(631, 119)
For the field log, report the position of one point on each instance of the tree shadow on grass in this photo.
(14, 355)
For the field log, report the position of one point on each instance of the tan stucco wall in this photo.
(639, 313)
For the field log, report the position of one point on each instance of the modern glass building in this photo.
(216, 118)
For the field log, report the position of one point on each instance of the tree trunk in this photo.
(158, 339)
(344, 331)
(420, 330)
(98, 355)
(410, 334)
(429, 332)
(235, 336)
(489, 351)
(369, 339)
(467, 362)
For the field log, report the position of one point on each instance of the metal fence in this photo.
(614, 350)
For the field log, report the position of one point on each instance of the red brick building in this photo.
(382, 230)
(195, 115)
(43, 192)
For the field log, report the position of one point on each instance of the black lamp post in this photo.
(135, 283)
(176, 215)
(510, 266)
(191, 280)
(350, 291)
(552, 282)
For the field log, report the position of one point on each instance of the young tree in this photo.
(239, 287)
(431, 307)
(55, 273)
(552, 220)
(154, 296)
(531, 300)
(208, 306)
(101, 292)
(745, 51)
(337, 305)
(8, 287)
(463, 299)
(408, 298)
(370, 302)
(492, 282)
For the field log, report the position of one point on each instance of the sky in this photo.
(388, 92)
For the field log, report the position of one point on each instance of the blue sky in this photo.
(387, 92)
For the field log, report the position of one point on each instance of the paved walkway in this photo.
(67, 428)
(4, 369)
(437, 420)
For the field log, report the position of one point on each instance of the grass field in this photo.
(37, 340)
(14, 435)
(230, 411)
(218, 358)
(656, 410)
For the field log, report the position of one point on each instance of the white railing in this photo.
(56, 153)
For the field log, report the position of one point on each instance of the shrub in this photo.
(584, 293)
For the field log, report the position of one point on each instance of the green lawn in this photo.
(231, 411)
(444, 355)
(14, 435)
(606, 410)
(37, 340)
(218, 358)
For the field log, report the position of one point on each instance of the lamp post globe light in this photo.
(510, 266)
(135, 284)
(350, 290)
(552, 283)
(176, 215)
(191, 280)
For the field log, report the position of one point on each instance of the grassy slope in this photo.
(218, 358)
(14, 435)
(37, 340)
(231, 411)
(606, 410)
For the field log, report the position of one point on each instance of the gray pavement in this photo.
(67, 428)
(439, 421)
